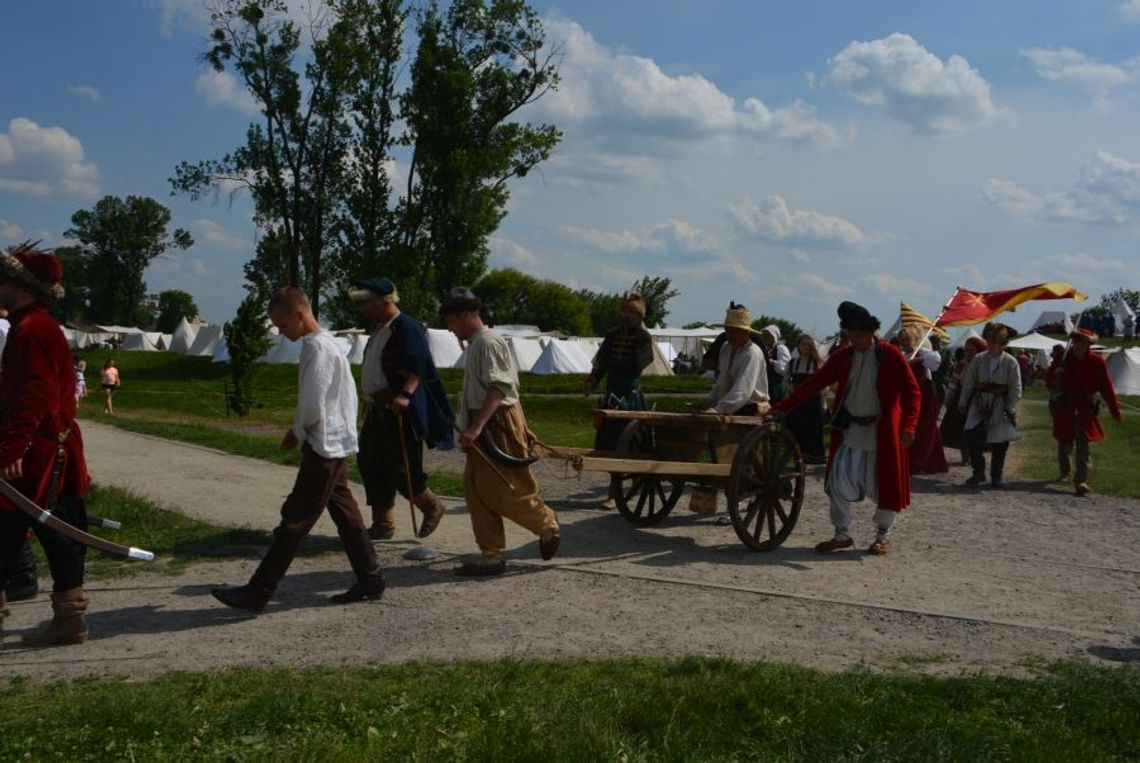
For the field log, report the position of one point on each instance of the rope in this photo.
(570, 460)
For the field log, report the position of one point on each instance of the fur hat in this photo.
(459, 300)
(1085, 335)
(853, 317)
(634, 301)
(738, 317)
(38, 272)
(367, 289)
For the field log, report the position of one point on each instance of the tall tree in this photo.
(657, 291)
(118, 238)
(73, 307)
(173, 306)
(512, 297)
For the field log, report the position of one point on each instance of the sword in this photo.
(70, 531)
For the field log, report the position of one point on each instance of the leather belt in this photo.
(864, 420)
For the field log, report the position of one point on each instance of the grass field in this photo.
(627, 710)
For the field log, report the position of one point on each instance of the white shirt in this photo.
(5, 327)
(931, 361)
(861, 398)
(742, 378)
(372, 378)
(326, 397)
(487, 363)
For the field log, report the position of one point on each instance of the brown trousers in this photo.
(1084, 458)
(490, 499)
(321, 483)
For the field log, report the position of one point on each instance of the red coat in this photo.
(37, 401)
(900, 401)
(1081, 378)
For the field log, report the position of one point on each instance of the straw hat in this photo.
(739, 317)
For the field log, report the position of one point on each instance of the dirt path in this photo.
(984, 580)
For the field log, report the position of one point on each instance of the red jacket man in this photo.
(878, 402)
(37, 402)
(1079, 376)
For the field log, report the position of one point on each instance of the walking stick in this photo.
(407, 470)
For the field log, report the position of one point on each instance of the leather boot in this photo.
(250, 597)
(3, 614)
(383, 522)
(433, 510)
(370, 583)
(23, 577)
(68, 623)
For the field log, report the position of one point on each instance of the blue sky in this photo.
(785, 155)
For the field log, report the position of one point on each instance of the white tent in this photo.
(1033, 341)
(164, 341)
(687, 341)
(183, 338)
(206, 341)
(221, 352)
(961, 340)
(142, 341)
(1124, 315)
(1049, 317)
(525, 350)
(562, 356)
(667, 351)
(1124, 367)
(283, 351)
(661, 365)
(444, 348)
(356, 354)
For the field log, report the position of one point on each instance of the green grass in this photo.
(1114, 459)
(176, 540)
(633, 710)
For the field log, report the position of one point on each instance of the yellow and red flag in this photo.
(967, 307)
(908, 316)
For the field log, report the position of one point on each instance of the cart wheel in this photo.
(766, 487)
(643, 499)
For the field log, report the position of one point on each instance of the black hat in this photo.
(459, 300)
(367, 289)
(853, 317)
(998, 332)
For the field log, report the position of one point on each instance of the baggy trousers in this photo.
(65, 556)
(490, 499)
(381, 461)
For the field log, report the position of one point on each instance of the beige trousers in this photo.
(490, 499)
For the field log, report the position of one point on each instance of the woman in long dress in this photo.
(806, 420)
(926, 453)
(953, 422)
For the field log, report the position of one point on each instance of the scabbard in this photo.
(27, 506)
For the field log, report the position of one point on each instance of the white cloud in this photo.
(85, 91)
(199, 268)
(630, 97)
(1106, 191)
(967, 275)
(577, 170)
(1130, 9)
(1071, 67)
(1081, 263)
(44, 162)
(507, 253)
(11, 233)
(891, 285)
(772, 221)
(672, 238)
(913, 85)
(214, 236)
(222, 89)
(817, 285)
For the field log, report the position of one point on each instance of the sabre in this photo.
(24, 504)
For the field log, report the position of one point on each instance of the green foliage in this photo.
(657, 291)
(246, 340)
(512, 297)
(604, 310)
(173, 306)
(1108, 301)
(118, 238)
(72, 309)
(789, 331)
(629, 709)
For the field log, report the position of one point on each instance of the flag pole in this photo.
(934, 323)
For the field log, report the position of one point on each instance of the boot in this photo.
(23, 579)
(433, 509)
(3, 614)
(250, 597)
(68, 623)
(383, 523)
(370, 583)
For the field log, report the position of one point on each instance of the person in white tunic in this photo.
(991, 389)
(324, 427)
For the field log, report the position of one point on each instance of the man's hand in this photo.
(469, 435)
(531, 439)
(289, 441)
(14, 470)
(710, 409)
(399, 404)
(906, 438)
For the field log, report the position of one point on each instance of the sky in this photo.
(784, 155)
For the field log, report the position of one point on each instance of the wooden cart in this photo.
(756, 462)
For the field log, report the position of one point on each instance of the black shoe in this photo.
(22, 590)
(975, 479)
(247, 597)
(997, 484)
(371, 589)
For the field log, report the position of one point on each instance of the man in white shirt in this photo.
(324, 426)
(777, 356)
(490, 400)
(742, 380)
